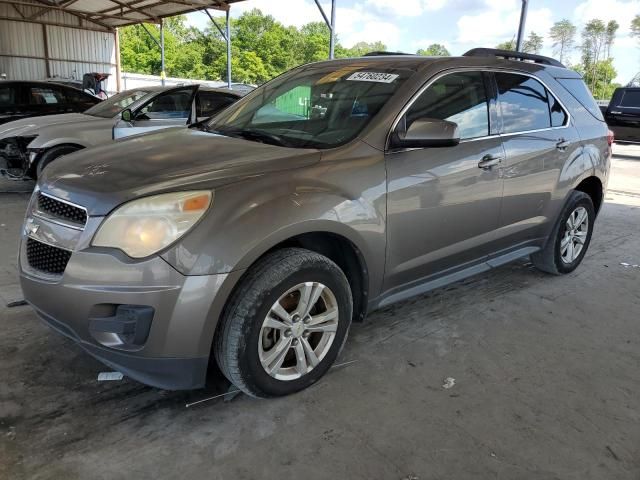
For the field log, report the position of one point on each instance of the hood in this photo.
(32, 125)
(175, 159)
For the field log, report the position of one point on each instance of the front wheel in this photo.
(285, 324)
(570, 238)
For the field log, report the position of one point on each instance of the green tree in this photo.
(599, 77)
(508, 45)
(563, 36)
(533, 44)
(612, 30)
(362, 48)
(635, 27)
(597, 39)
(434, 50)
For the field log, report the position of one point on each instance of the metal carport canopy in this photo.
(108, 15)
(111, 14)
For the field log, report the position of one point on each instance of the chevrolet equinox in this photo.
(255, 238)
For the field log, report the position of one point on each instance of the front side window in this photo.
(116, 104)
(320, 106)
(460, 98)
(523, 103)
(167, 106)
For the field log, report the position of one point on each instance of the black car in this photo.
(22, 99)
(623, 114)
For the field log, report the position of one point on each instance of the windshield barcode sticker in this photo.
(373, 77)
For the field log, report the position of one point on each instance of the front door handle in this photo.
(489, 161)
(562, 144)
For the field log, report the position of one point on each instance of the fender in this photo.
(253, 216)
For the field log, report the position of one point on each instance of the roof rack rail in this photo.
(511, 55)
(383, 53)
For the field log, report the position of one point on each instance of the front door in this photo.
(169, 109)
(443, 203)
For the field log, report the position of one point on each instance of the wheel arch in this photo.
(593, 187)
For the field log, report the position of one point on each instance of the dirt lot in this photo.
(546, 370)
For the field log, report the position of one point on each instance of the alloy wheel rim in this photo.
(298, 331)
(575, 235)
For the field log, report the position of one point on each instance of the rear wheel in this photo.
(285, 324)
(51, 154)
(570, 238)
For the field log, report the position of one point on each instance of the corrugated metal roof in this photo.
(116, 13)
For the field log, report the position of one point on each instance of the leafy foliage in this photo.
(262, 48)
(434, 50)
(563, 36)
(533, 44)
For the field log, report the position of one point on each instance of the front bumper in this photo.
(175, 353)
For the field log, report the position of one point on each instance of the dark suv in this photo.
(623, 114)
(255, 238)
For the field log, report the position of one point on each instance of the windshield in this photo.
(116, 104)
(320, 106)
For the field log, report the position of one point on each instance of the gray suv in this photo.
(254, 239)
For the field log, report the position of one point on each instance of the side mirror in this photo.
(426, 133)
(127, 115)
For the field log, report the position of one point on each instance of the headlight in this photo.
(143, 227)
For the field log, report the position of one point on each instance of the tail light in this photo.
(610, 138)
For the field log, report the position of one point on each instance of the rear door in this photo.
(172, 108)
(538, 139)
(623, 114)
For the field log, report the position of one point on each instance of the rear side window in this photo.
(460, 98)
(45, 96)
(577, 88)
(630, 99)
(7, 96)
(210, 103)
(524, 103)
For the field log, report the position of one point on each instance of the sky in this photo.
(407, 25)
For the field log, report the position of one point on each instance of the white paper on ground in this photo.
(110, 376)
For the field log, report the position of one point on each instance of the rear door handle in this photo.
(562, 144)
(489, 161)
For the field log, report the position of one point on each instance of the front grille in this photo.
(62, 210)
(46, 258)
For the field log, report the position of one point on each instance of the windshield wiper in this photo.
(255, 135)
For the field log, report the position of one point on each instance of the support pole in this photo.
(332, 42)
(116, 35)
(331, 24)
(523, 21)
(228, 39)
(163, 74)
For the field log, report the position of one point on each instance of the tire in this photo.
(242, 340)
(51, 154)
(553, 258)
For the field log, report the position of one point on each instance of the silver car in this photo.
(253, 240)
(29, 145)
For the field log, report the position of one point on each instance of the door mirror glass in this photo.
(426, 133)
(127, 116)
